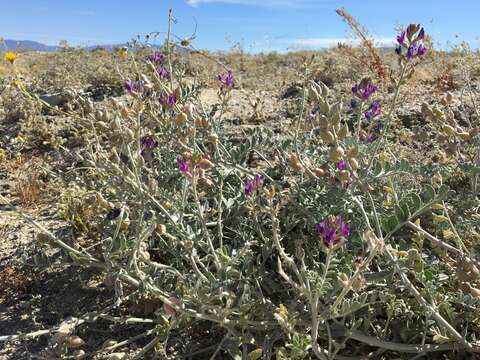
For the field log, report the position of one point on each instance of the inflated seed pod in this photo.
(213, 138)
(343, 133)
(116, 356)
(74, 341)
(161, 229)
(79, 355)
(353, 152)
(189, 109)
(181, 119)
(353, 163)
(323, 122)
(324, 106)
(344, 175)
(464, 135)
(124, 111)
(319, 172)
(336, 154)
(327, 136)
(335, 117)
(447, 129)
(295, 163)
(205, 164)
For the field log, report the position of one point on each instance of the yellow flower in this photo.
(123, 52)
(10, 56)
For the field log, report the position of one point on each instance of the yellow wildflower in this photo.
(10, 56)
(123, 52)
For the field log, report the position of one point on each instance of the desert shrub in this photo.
(320, 240)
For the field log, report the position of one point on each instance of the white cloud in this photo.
(311, 43)
(263, 3)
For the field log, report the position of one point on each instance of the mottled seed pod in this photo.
(464, 135)
(327, 136)
(116, 356)
(447, 129)
(295, 163)
(319, 172)
(74, 341)
(79, 355)
(353, 152)
(336, 154)
(353, 163)
(161, 229)
(205, 164)
(181, 119)
(344, 175)
(343, 133)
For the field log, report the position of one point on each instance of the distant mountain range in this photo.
(17, 45)
(29, 45)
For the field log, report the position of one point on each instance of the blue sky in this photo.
(258, 25)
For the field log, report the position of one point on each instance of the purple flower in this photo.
(413, 45)
(411, 50)
(401, 38)
(421, 34)
(332, 228)
(341, 165)
(148, 142)
(163, 72)
(422, 49)
(133, 86)
(156, 57)
(373, 111)
(168, 101)
(364, 90)
(353, 104)
(183, 166)
(226, 80)
(253, 185)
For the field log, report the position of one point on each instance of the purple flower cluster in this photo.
(133, 86)
(411, 39)
(168, 101)
(341, 165)
(373, 111)
(226, 80)
(156, 58)
(148, 142)
(332, 229)
(183, 166)
(253, 185)
(163, 72)
(368, 139)
(364, 90)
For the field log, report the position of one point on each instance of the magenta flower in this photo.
(373, 111)
(226, 80)
(364, 90)
(163, 73)
(401, 38)
(156, 57)
(413, 44)
(133, 86)
(168, 101)
(341, 165)
(332, 229)
(253, 185)
(148, 142)
(183, 166)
